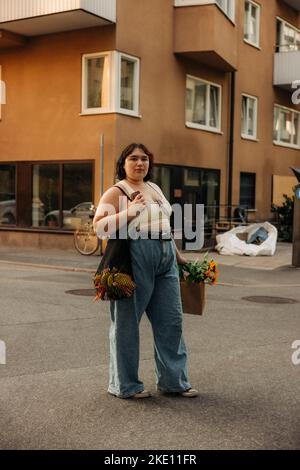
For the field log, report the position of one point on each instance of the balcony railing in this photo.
(36, 17)
(286, 65)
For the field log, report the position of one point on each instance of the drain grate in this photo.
(264, 299)
(85, 292)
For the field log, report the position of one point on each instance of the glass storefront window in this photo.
(247, 190)
(77, 193)
(191, 177)
(45, 195)
(7, 194)
(49, 195)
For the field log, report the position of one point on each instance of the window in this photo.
(252, 23)
(45, 195)
(286, 127)
(288, 37)
(76, 204)
(129, 84)
(203, 104)
(97, 86)
(247, 190)
(62, 194)
(249, 117)
(228, 6)
(7, 194)
(110, 83)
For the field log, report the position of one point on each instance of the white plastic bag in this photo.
(229, 244)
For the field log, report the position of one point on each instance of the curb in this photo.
(48, 266)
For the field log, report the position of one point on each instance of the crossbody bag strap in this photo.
(153, 186)
(123, 188)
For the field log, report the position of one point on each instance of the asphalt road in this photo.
(53, 386)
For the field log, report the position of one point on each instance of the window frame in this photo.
(279, 142)
(255, 99)
(281, 47)
(249, 207)
(229, 12)
(258, 9)
(44, 229)
(13, 164)
(136, 85)
(205, 127)
(113, 85)
(84, 94)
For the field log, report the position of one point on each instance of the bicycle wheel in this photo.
(86, 241)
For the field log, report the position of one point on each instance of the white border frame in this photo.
(258, 6)
(247, 136)
(279, 142)
(194, 125)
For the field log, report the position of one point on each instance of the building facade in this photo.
(205, 84)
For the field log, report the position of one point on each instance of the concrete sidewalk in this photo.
(73, 261)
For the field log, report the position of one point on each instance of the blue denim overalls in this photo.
(157, 294)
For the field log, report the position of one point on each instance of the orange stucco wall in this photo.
(41, 120)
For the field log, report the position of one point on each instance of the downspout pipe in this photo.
(231, 144)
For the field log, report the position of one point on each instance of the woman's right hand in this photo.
(136, 206)
(138, 200)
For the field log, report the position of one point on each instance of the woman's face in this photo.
(136, 165)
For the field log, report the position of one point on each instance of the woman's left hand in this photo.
(181, 260)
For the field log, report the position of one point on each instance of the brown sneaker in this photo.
(190, 393)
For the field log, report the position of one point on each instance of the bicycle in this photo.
(85, 239)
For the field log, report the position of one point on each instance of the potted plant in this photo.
(193, 277)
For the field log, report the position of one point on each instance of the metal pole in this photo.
(101, 164)
(231, 145)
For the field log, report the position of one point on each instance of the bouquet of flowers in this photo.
(193, 277)
(199, 271)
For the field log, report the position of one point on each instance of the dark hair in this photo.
(121, 173)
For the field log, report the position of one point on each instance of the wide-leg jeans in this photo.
(158, 294)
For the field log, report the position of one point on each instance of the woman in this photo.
(155, 273)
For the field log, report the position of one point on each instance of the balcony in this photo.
(286, 68)
(293, 3)
(8, 39)
(205, 34)
(37, 17)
